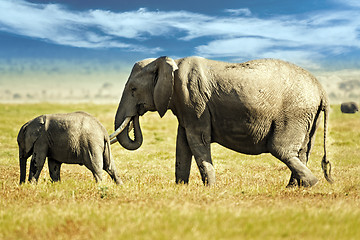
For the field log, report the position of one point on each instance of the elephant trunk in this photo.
(124, 138)
(118, 130)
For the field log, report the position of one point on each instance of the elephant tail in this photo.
(109, 165)
(107, 154)
(325, 163)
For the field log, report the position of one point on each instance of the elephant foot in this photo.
(208, 174)
(118, 181)
(299, 172)
(181, 181)
(292, 184)
(304, 182)
(309, 182)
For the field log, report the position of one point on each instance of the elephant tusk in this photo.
(120, 129)
(114, 140)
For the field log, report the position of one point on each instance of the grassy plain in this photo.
(249, 201)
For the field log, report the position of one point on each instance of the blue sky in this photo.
(316, 34)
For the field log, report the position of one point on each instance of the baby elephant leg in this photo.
(97, 176)
(37, 162)
(96, 162)
(97, 172)
(95, 169)
(54, 169)
(109, 165)
(93, 161)
(111, 170)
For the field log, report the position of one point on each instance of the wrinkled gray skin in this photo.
(75, 138)
(349, 107)
(261, 106)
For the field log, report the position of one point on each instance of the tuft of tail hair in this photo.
(325, 164)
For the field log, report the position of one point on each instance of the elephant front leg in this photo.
(199, 143)
(206, 169)
(54, 169)
(38, 158)
(183, 157)
(36, 165)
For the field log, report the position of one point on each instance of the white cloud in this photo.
(239, 12)
(239, 35)
(59, 25)
(302, 40)
(242, 49)
(352, 3)
(304, 58)
(245, 47)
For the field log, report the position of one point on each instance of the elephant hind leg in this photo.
(96, 170)
(293, 150)
(301, 173)
(114, 176)
(303, 156)
(94, 162)
(109, 165)
(97, 176)
(54, 169)
(110, 168)
(308, 143)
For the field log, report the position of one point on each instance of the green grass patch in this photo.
(249, 201)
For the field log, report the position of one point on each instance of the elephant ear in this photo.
(21, 139)
(140, 65)
(33, 130)
(164, 83)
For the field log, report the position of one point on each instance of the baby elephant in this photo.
(75, 138)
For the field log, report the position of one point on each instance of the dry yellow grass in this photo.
(249, 201)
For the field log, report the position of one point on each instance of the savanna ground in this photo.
(250, 200)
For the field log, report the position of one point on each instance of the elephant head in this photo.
(149, 88)
(26, 139)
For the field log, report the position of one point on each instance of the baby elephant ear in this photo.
(164, 85)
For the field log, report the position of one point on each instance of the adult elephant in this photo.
(254, 107)
(349, 107)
